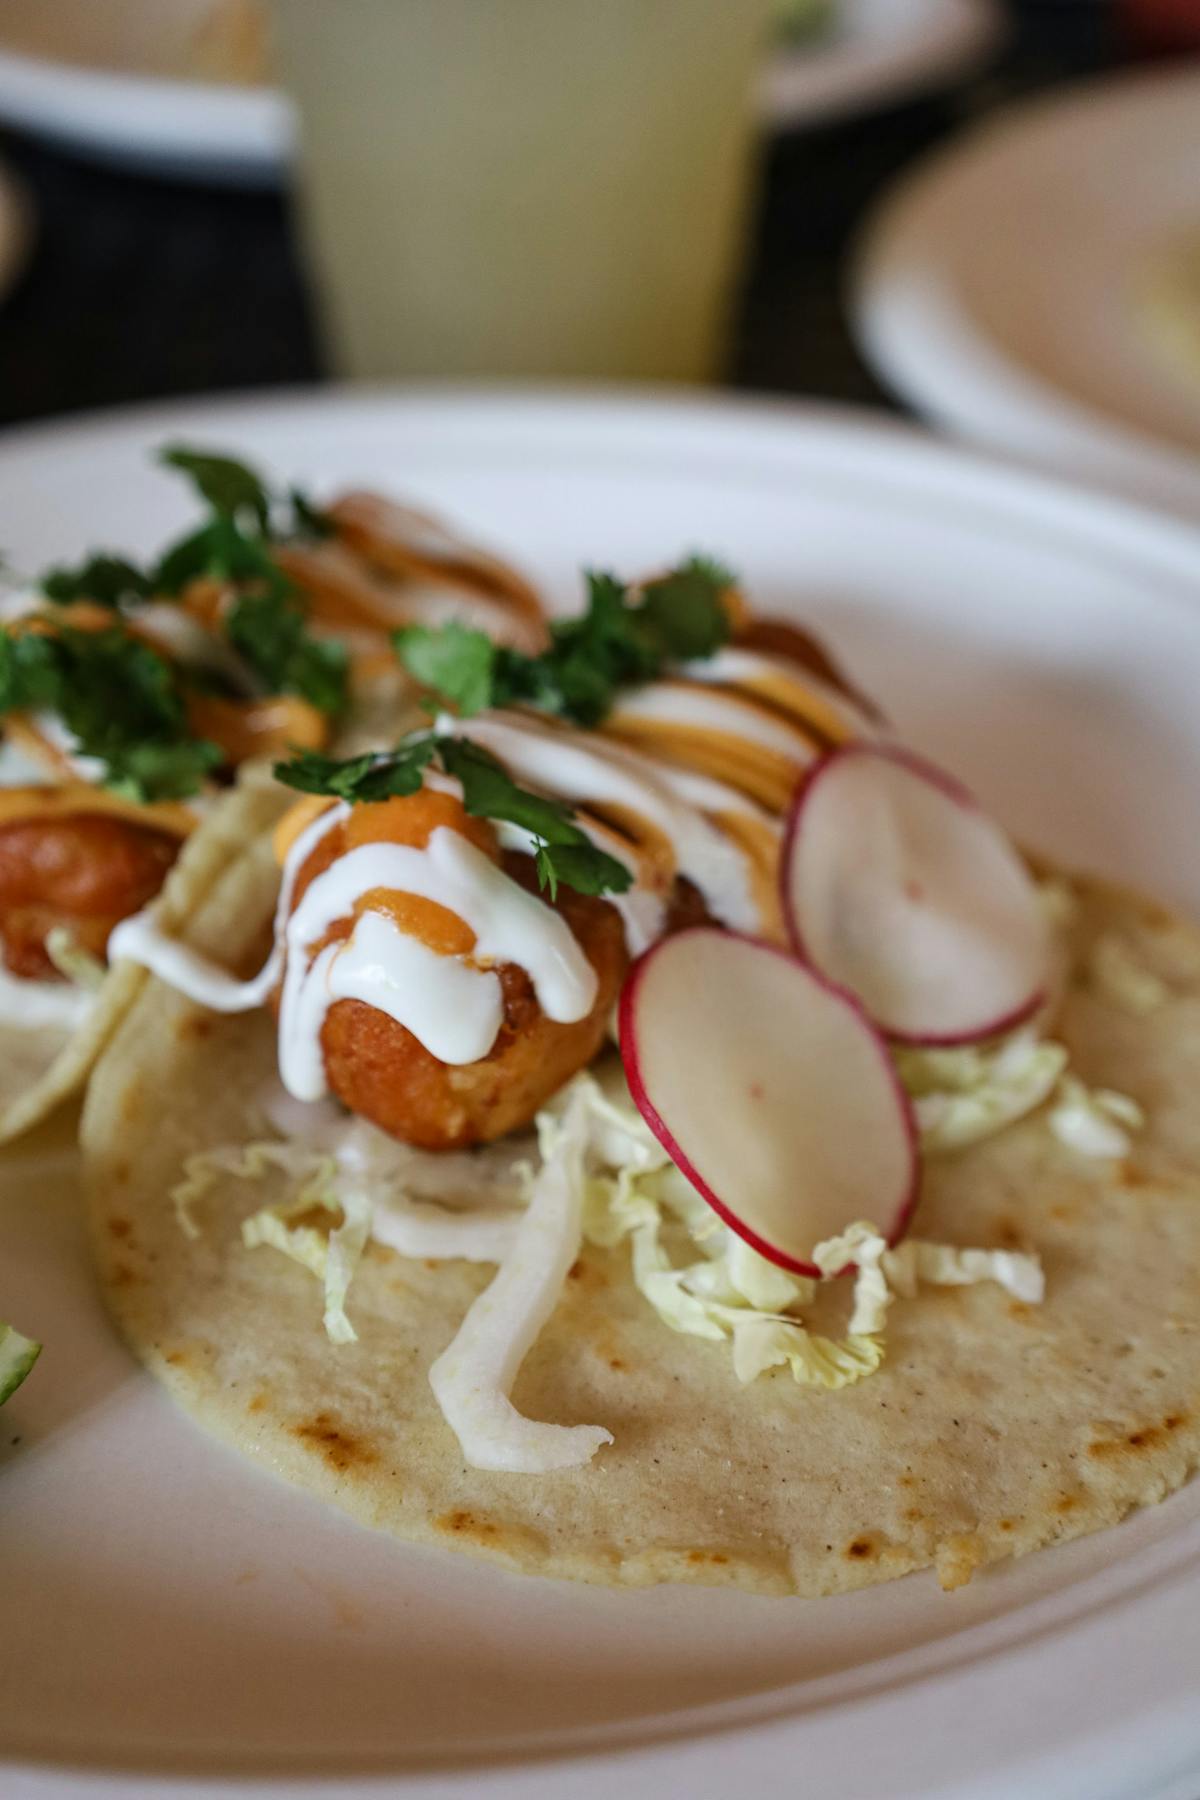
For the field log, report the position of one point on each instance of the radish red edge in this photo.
(954, 790)
(626, 1033)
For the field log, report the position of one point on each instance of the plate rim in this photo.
(771, 422)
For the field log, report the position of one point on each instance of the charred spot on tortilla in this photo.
(342, 1449)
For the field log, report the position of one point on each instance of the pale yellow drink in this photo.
(524, 187)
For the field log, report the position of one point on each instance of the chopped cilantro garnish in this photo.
(685, 611)
(108, 580)
(619, 640)
(234, 491)
(563, 852)
(269, 633)
(266, 623)
(360, 779)
(230, 488)
(219, 551)
(457, 663)
(308, 521)
(119, 700)
(122, 702)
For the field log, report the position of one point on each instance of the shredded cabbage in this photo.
(1059, 902)
(358, 1173)
(1121, 977)
(971, 1092)
(961, 1096)
(605, 1178)
(761, 1343)
(1096, 1121)
(634, 1191)
(252, 1162)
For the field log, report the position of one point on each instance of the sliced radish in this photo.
(771, 1090)
(899, 888)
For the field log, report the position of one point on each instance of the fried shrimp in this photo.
(381, 1071)
(83, 871)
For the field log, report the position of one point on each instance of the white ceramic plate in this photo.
(1000, 287)
(168, 1609)
(117, 81)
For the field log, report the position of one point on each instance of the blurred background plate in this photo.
(170, 85)
(1036, 285)
(875, 53)
(182, 87)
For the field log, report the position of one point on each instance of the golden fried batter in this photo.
(381, 1071)
(83, 871)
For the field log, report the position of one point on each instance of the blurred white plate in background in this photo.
(170, 1608)
(1013, 287)
(179, 87)
(172, 86)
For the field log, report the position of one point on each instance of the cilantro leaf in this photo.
(166, 771)
(228, 486)
(620, 640)
(360, 779)
(489, 792)
(118, 698)
(582, 867)
(184, 561)
(685, 610)
(28, 672)
(266, 625)
(235, 492)
(223, 552)
(270, 634)
(109, 580)
(458, 663)
(563, 852)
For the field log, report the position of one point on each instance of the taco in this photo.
(130, 697)
(875, 1246)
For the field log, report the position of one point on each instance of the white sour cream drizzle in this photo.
(751, 669)
(453, 1004)
(138, 939)
(675, 703)
(452, 1007)
(593, 770)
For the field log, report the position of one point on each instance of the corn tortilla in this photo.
(992, 1428)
